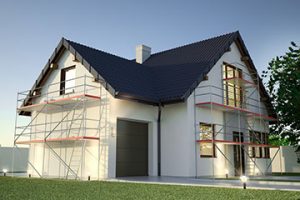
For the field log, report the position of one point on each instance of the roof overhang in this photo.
(46, 71)
(251, 67)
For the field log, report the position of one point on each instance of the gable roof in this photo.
(125, 77)
(203, 51)
(165, 77)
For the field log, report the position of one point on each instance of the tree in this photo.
(276, 140)
(283, 85)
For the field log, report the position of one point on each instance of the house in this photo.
(192, 111)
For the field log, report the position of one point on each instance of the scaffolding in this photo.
(63, 121)
(237, 131)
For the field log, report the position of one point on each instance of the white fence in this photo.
(285, 161)
(14, 159)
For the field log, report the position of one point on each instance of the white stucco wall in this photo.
(45, 160)
(176, 140)
(123, 109)
(218, 166)
(180, 154)
(285, 161)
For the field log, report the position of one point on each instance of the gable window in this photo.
(207, 132)
(233, 93)
(67, 80)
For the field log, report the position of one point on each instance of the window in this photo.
(233, 92)
(259, 138)
(252, 149)
(207, 133)
(260, 148)
(67, 80)
(266, 141)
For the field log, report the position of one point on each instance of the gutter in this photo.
(159, 140)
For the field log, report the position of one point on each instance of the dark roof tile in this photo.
(164, 76)
(123, 75)
(203, 51)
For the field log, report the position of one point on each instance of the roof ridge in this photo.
(175, 48)
(101, 51)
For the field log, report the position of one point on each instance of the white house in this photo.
(192, 111)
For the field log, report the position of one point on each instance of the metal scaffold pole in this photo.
(212, 135)
(70, 129)
(195, 132)
(15, 133)
(99, 133)
(247, 110)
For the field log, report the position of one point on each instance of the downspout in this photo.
(159, 141)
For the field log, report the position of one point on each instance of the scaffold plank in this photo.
(58, 139)
(56, 102)
(227, 108)
(229, 142)
(240, 82)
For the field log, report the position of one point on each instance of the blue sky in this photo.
(30, 30)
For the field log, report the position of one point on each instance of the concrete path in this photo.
(268, 185)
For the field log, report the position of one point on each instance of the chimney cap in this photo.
(143, 47)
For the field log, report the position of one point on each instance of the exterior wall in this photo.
(220, 165)
(45, 157)
(179, 129)
(285, 161)
(122, 109)
(13, 159)
(177, 141)
(99, 159)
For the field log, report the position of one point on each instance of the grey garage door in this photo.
(132, 148)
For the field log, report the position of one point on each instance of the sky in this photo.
(30, 30)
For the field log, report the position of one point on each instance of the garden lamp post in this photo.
(89, 176)
(4, 172)
(29, 173)
(226, 173)
(244, 180)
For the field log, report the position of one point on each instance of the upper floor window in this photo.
(207, 132)
(67, 80)
(233, 92)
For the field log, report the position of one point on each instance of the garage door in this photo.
(132, 148)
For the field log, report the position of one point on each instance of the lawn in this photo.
(25, 188)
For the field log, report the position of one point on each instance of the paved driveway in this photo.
(270, 185)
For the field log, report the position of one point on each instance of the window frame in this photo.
(266, 149)
(258, 151)
(213, 155)
(62, 90)
(237, 96)
(252, 140)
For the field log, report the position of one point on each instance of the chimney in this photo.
(142, 53)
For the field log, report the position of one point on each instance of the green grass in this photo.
(40, 189)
